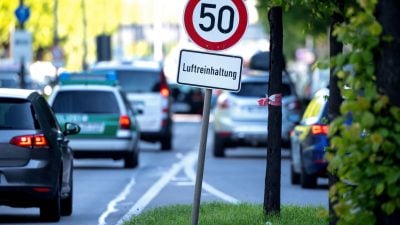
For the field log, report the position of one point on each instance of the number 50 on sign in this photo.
(215, 25)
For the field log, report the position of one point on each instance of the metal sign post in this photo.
(213, 26)
(201, 157)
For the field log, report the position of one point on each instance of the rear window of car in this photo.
(139, 80)
(16, 114)
(315, 111)
(259, 89)
(97, 102)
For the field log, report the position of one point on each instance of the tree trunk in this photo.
(387, 61)
(272, 193)
(388, 55)
(335, 98)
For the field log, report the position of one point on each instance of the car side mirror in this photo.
(71, 128)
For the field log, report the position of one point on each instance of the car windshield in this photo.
(16, 114)
(85, 102)
(259, 89)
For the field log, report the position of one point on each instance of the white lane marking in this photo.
(111, 205)
(189, 171)
(187, 163)
(154, 190)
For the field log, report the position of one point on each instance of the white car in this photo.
(147, 90)
(240, 121)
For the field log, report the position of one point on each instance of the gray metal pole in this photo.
(201, 157)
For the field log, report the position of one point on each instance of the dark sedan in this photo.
(308, 142)
(36, 161)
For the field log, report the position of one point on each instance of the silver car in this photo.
(240, 121)
(36, 161)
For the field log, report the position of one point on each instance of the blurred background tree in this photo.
(102, 17)
(301, 28)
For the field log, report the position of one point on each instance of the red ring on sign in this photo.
(188, 21)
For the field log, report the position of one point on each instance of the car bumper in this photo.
(106, 145)
(29, 185)
(244, 134)
(314, 162)
(250, 131)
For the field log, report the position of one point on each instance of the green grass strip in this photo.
(216, 213)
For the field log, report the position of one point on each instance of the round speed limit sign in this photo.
(215, 25)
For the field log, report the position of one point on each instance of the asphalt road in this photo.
(107, 194)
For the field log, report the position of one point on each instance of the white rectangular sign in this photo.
(210, 70)
(21, 46)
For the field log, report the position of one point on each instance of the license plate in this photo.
(91, 128)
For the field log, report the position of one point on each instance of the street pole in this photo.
(272, 194)
(84, 22)
(21, 26)
(55, 37)
(201, 157)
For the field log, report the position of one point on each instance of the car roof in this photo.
(79, 87)
(16, 93)
(129, 65)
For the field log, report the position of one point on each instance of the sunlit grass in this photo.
(231, 214)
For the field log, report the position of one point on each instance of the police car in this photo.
(109, 128)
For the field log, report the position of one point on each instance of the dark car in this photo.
(186, 99)
(308, 142)
(36, 162)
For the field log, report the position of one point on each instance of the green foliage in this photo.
(364, 154)
(299, 21)
(100, 18)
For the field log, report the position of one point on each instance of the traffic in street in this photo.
(107, 193)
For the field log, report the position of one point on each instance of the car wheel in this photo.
(131, 159)
(307, 180)
(50, 210)
(166, 143)
(67, 203)
(219, 146)
(294, 177)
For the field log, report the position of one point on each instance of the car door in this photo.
(58, 140)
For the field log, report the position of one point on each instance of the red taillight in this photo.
(39, 141)
(224, 134)
(224, 104)
(164, 90)
(42, 189)
(319, 129)
(30, 141)
(125, 122)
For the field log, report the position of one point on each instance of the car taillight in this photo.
(164, 90)
(319, 129)
(42, 189)
(30, 141)
(125, 122)
(223, 102)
